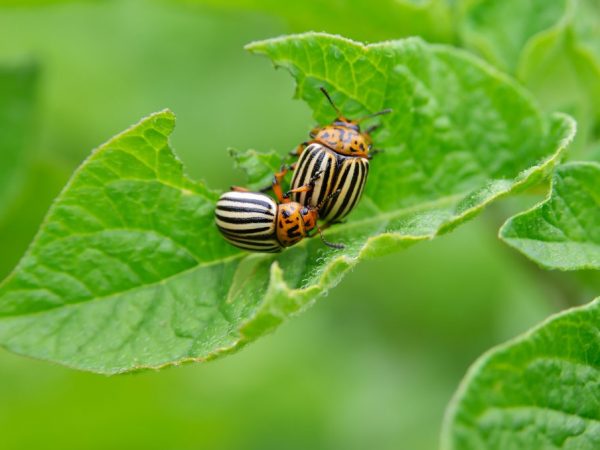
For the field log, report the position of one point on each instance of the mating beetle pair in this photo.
(328, 182)
(254, 221)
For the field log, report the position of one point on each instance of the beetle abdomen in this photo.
(313, 159)
(247, 220)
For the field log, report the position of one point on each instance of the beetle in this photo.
(341, 153)
(255, 222)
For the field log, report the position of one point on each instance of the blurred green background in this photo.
(372, 365)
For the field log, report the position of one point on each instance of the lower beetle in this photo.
(253, 221)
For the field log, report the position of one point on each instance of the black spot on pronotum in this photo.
(292, 232)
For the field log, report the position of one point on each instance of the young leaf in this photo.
(563, 232)
(16, 122)
(258, 167)
(500, 30)
(538, 391)
(552, 47)
(128, 270)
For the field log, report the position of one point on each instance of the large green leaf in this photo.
(128, 270)
(539, 391)
(551, 46)
(16, 122)
(563, 232)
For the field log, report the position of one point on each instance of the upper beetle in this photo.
(340, 153)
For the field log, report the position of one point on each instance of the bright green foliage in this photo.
(539, 391)
(16, 115)
(258, 167)
(562, 232)
(129, 271)
(500, 30)
(358, 19)
(127, 266)
(553, 47)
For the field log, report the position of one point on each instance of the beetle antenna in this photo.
(372, 128)
(326, 94)
(378, 113)
(330, 244)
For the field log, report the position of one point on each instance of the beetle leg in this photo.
(307, 187)
(279, 176)
(239, 189)
(276, 186)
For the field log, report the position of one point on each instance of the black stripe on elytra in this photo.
(264, 203)
(315, 170)
(244, 209)
(256, 244)
(346, 200)
(325, 187)
(236, 231)
(304, 163)
(244, 220)
(245, 237)
(360, 185)
(331, 204)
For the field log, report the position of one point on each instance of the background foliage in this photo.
(386, 338)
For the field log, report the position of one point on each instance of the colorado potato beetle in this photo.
(253, 221)
(340, 152)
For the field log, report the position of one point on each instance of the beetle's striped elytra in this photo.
(253, 221)
(338, 172)
(341, 153)
(247, 220)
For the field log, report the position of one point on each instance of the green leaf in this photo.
(258, 167)
(357, 19)
(538, 391)
(128, 270)
(501, 29)
(552, 47)
(564, 73)
(16, 123)
(563, 232)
